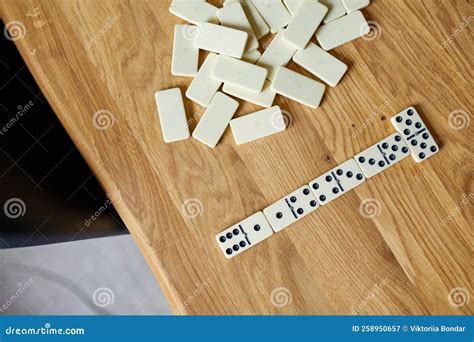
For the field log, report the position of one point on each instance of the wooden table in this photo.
(99, 60)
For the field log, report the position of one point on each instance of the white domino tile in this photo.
(321, 64)
(337, 181)
(220, 39)
(259, 26)
(277, 54)
(293, 6)
(215, 119)
(258, 125)
(304, 24)
(274, 12)
(291, 208)
(335, 10)
(342, 30)
(354, 5)
(172, 115)
(185, 55)
(244, 235)
(233, 16)
(239, 73)
(251, 56)
(298, 87)
(194, 11)
(415, 133)
(265, 98)
(203, 87)
(382, 155)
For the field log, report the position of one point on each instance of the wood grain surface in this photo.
(412, 255)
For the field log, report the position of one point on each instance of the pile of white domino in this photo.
(235, 61)
(412, 137)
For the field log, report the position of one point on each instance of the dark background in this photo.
(41, 169)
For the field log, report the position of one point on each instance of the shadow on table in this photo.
(48, 194)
